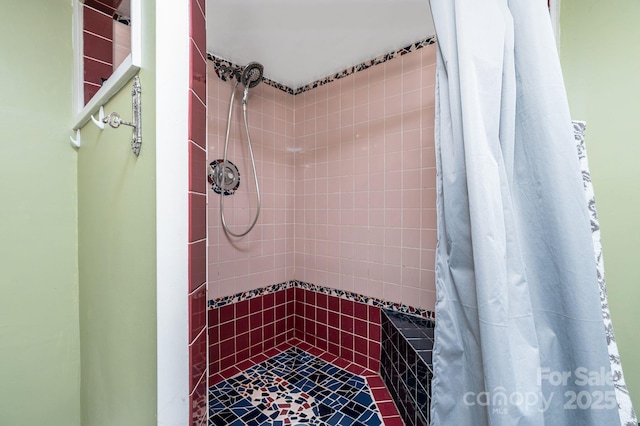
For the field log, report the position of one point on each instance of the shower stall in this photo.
(346, 172)
(312, 255)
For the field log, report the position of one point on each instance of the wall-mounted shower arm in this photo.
(227, 73)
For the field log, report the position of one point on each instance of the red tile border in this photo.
(197, 168)
(197, 217)
(344, 328)
(197, 121)
(106, 6)
(97, 22)
(197, 264)
(392, 420)
(198, 311)
(382, 394)
(198, 401)
(97, 47)
(197, 360)
(375, 381)
(198, 73)
(245, 333)
(95, 71)
(198, 25)
(227, 313)
(387, 408)
(90, 89)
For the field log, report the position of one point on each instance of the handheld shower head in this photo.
(252, 74)
(251, 77)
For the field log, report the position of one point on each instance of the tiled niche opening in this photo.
(406, 364)
(244, 329)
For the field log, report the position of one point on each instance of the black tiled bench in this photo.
(406, 364)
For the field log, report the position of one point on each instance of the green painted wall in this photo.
(39, 340)
(601, 63)
(117, 260)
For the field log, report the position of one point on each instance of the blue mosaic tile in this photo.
(293, 388)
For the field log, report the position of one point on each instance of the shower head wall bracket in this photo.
(114, 120)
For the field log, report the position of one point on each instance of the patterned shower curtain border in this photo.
(625, 407)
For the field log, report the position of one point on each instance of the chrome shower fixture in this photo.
(251, 77)
(252, 74)
(224, 176)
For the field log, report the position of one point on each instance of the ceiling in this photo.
(301, 41)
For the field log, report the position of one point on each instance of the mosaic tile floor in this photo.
(293, 388)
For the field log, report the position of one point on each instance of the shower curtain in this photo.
(519, 338)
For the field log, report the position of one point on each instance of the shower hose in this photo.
(253, 165)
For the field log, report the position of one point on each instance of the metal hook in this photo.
(114, 120)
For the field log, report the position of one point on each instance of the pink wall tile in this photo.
(264, 257)
(362, 179)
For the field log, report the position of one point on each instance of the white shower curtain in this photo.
(519, 336)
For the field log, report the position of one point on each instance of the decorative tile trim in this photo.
(227, 70)
(221, 64)
(368, 64)
(347, 295)
(239, 297)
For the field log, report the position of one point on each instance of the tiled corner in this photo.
(248, 328)
(345, 328)
(406, 364)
